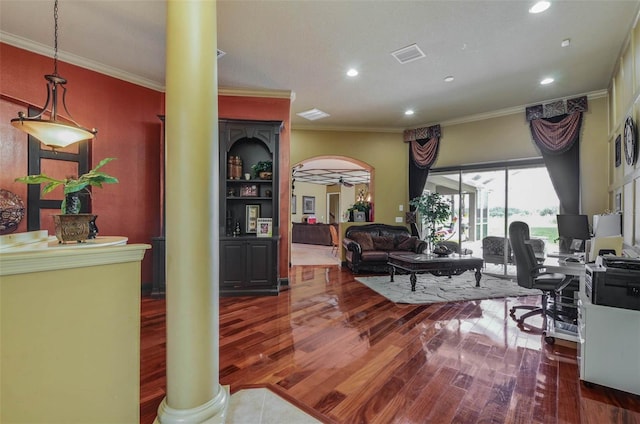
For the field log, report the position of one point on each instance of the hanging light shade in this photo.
(53, 132)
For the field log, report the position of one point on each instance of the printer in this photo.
(614, 281)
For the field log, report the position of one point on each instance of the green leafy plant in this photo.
(433, 210)
(262, 166)
(93, 178)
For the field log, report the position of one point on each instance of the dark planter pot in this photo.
(73, 227)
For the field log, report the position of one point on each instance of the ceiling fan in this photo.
(344, 183)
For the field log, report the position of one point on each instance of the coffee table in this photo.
(415, 263)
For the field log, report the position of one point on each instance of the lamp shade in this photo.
(53, 133)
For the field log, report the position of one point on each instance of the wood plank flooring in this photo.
(347, 353)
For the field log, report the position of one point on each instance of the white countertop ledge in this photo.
(42, 253)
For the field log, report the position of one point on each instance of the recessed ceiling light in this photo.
(449, 78)
(566, 42)
(546, 81)
(408, 112)
(313, 114)
(352, 72)
(540, 6)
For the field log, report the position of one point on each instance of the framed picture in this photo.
(294, 201)
(308, 204)
(618, 150)
(265, 228)
(359, 216)
(249, 190)
(252, 214)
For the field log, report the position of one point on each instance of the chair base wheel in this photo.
(550, 340)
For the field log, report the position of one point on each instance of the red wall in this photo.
(128, 128)
(269, 109)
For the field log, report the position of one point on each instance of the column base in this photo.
(212, 412)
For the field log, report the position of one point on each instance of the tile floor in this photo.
(261, 406)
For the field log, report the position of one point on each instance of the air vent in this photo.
(220, 53)
(313, 114)
(408, 54)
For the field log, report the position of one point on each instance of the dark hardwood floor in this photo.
(346, 352)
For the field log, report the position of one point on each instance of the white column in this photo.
(193, 390)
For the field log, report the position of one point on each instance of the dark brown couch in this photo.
(367, 246)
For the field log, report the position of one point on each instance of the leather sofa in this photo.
(367, 246)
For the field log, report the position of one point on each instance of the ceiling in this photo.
(496, 51)
(330, 171)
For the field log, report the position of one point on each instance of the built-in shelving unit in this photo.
(248, 258)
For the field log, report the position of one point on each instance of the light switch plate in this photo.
(398, 219)
(401, 208)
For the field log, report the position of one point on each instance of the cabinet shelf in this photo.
(250, 181)
(248, 198)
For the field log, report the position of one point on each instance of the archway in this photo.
(323, 189)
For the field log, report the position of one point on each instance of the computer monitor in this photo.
(570, 228)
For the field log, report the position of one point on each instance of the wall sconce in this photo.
(53, 132)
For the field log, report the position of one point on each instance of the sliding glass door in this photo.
(486, 199)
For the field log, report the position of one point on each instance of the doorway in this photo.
(330, 183)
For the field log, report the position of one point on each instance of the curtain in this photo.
(423, 152)
(557, 138)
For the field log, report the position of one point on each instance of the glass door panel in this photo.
(533, 200)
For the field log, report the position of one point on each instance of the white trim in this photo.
(213, 411)
(57, 259)
(101, 68)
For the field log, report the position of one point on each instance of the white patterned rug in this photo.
(431, 289)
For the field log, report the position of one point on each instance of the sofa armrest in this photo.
(352, 245)
(421, 246)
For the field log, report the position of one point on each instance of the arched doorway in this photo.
(323, 189)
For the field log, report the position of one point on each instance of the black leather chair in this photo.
(532, 275)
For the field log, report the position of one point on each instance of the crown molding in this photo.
(45, 50)
(513, 110)
(304, 127)
(249, 92)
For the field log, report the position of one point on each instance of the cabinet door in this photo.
(261, 268)
(232, 264)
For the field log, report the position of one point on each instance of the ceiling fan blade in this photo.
(346, 184)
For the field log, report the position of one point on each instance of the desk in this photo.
(559, 329)
(562, 266)
(609, 345)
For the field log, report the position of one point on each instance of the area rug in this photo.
(431, 289)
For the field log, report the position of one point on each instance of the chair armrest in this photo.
(352, 245)
(568, 279)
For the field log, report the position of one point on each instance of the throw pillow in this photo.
(406, 243)
(383, 243)
(363, 239)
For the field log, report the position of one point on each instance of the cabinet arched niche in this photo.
(249, 208)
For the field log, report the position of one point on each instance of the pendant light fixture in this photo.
(53, 132)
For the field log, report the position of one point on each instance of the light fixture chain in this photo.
(55, 37)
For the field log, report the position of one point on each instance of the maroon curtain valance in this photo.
(424, 143)
(422, 133)
(556, 137)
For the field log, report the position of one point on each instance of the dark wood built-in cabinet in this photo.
(248, 262)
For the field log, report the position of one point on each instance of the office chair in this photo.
(531, 274)
(334, 239)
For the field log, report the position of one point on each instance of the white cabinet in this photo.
(609, 346)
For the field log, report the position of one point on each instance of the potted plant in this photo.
(360, 206)
(433, 210)
(71, 225)
(263, 169)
